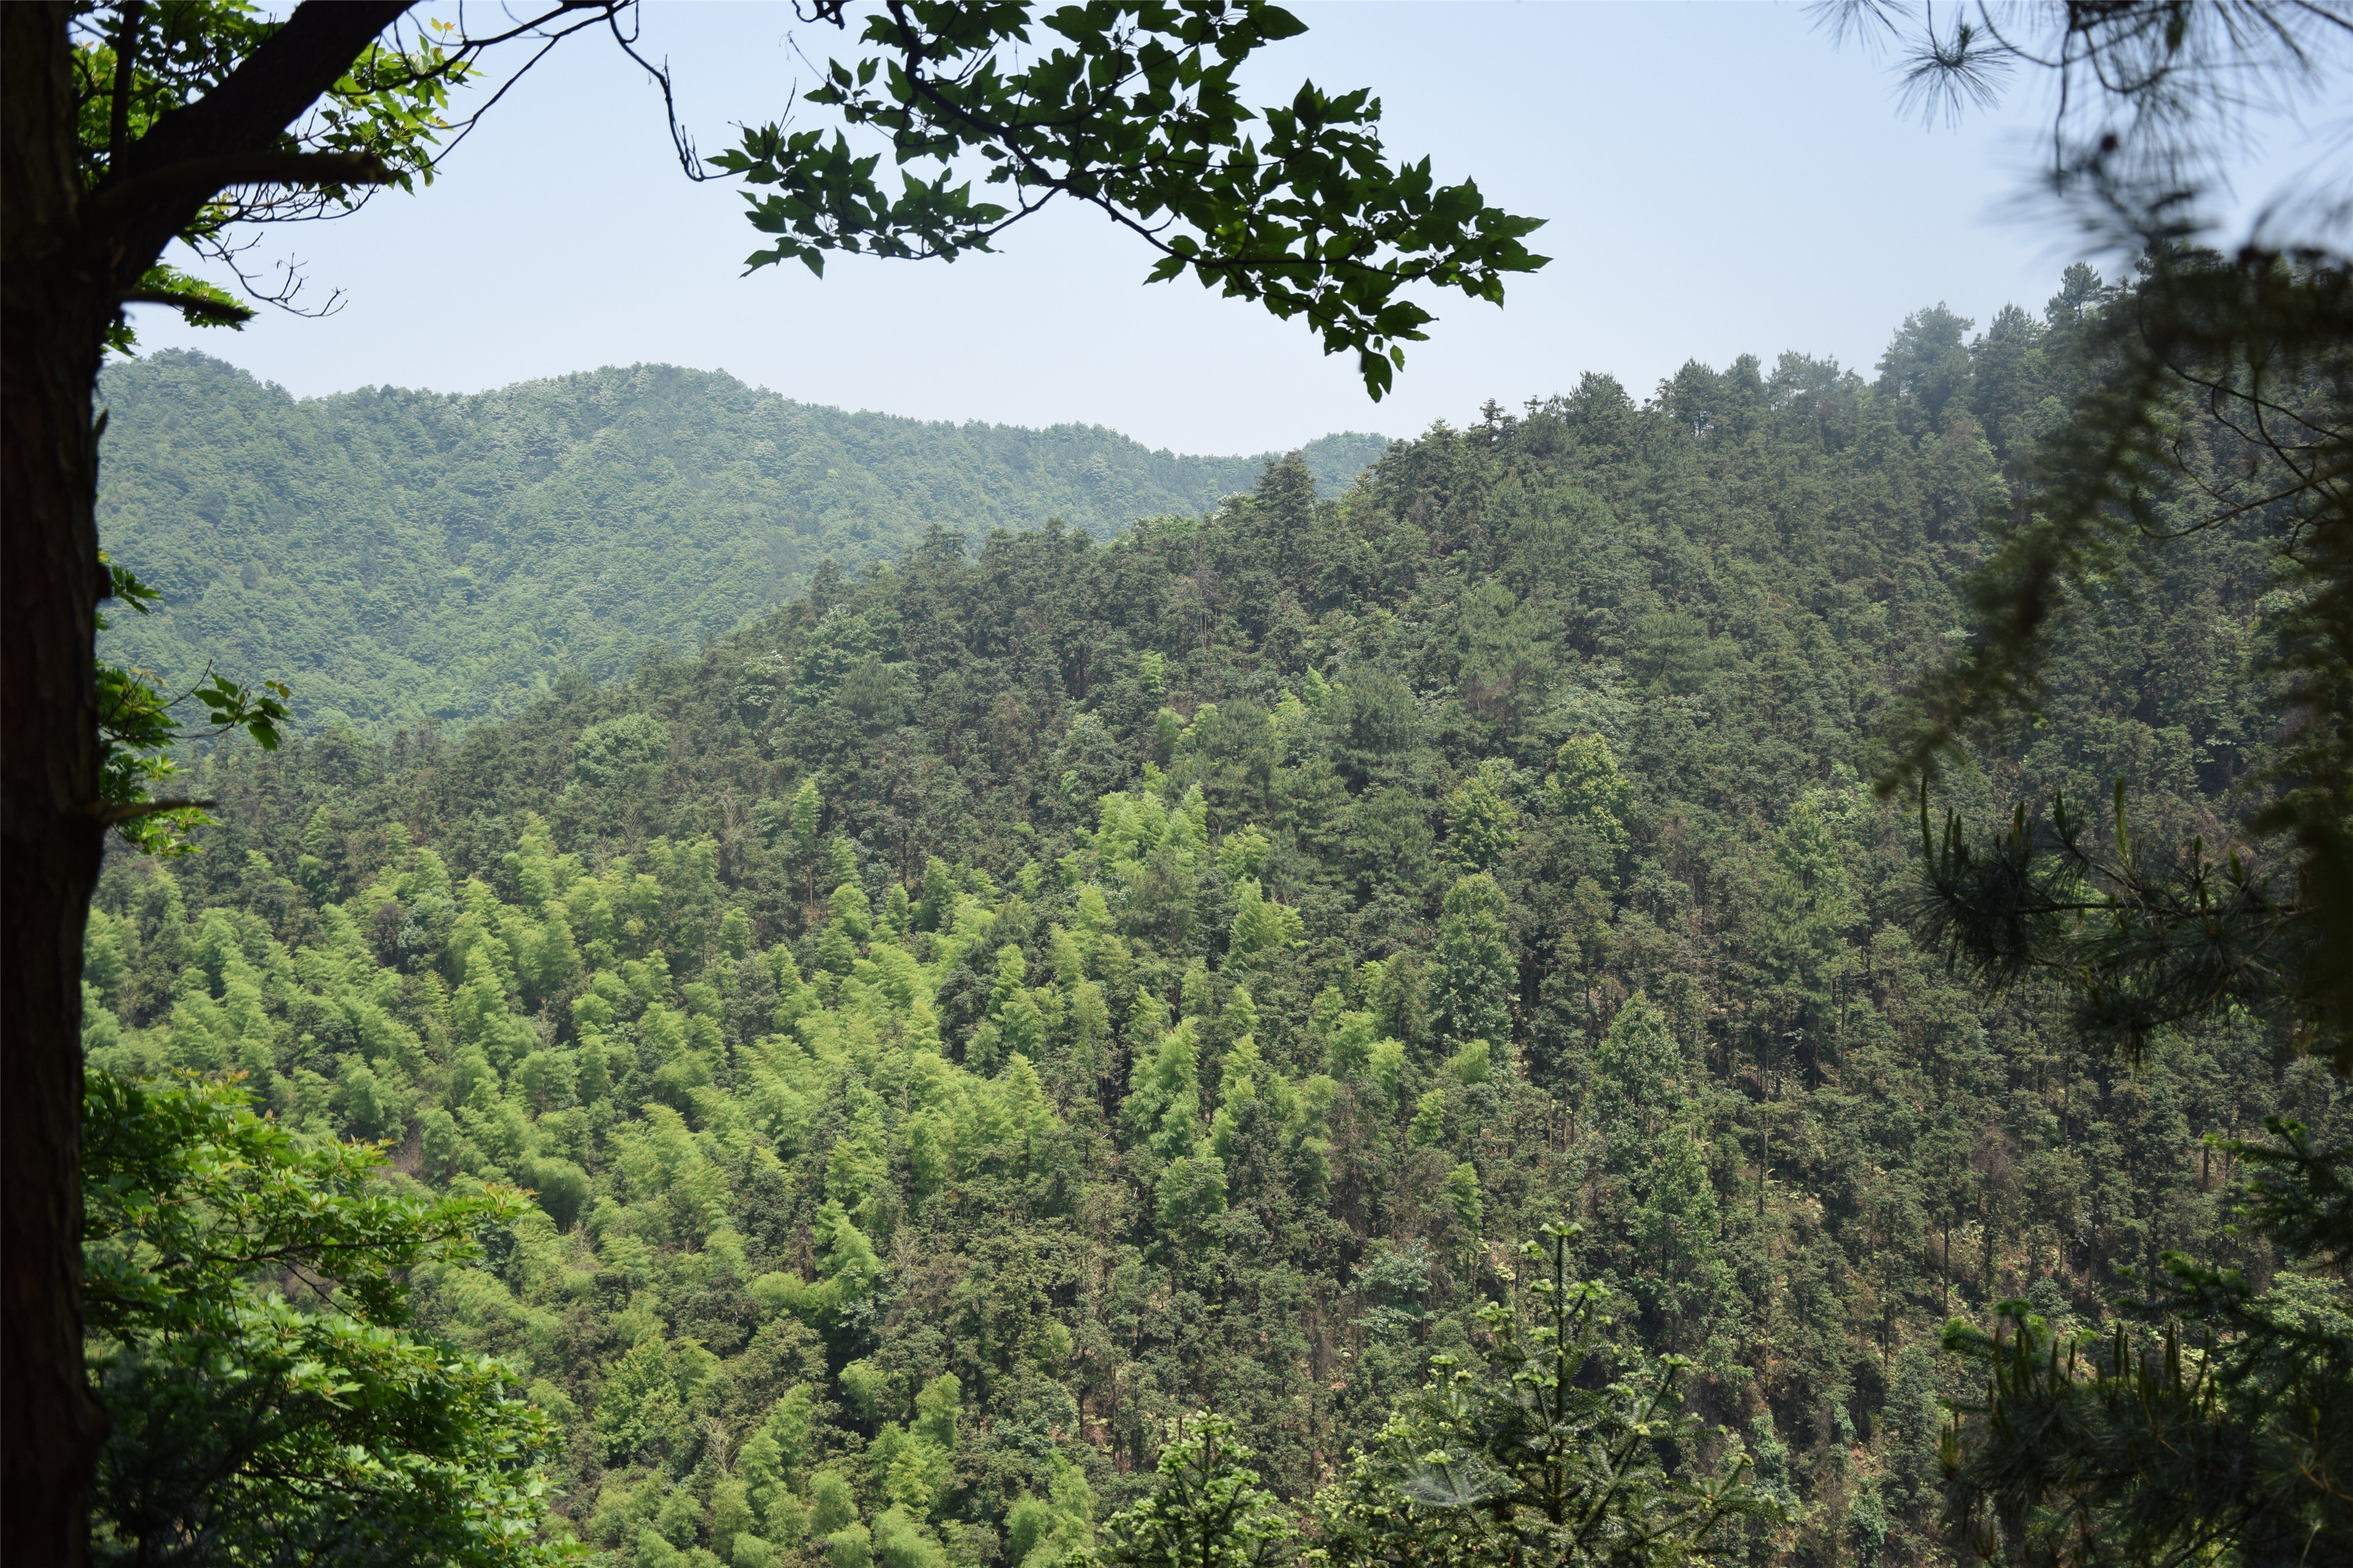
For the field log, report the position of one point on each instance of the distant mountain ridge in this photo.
(401, 556)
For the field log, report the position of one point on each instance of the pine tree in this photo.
(1207, 1509)
(1546, 1458)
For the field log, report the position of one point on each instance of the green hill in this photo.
(402, 554)
(985, 1010)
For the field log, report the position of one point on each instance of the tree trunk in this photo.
(54, 300)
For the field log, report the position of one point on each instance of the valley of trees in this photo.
(1030, 990)
(409, 555)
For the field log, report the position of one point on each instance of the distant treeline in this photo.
(403, 555)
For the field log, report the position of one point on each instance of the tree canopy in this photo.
(1001, 1006)
(133, 126)
(1129, 978)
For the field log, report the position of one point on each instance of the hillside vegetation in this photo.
(1002, 1001)
(411, 554)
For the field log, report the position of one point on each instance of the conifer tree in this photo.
(1204, 1510)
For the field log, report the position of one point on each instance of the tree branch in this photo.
(192, 304)
(118, 208)
(126, 55)
(244, 119)
(267, 91)
(135, 809)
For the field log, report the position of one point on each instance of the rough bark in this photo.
(54, 303)
(68, 259)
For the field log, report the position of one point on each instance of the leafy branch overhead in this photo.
(198, 119)
(1132, 110)
(2216, 403)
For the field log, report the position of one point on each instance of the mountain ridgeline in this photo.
(411, 554)
(1006, 999)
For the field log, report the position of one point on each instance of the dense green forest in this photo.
(411, 554)
(1001, 1001)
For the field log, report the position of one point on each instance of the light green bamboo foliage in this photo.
(1056, 1530)
(914, 1464)
(514, 1035)
(1132, 826)
(1586, 788)
(1477, 975)
(1482, 824)
(1261, 927)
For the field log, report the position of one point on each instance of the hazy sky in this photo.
(1718, 180)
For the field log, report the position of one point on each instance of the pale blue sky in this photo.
(1719, 180)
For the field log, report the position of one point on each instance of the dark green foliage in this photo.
(2217, 1417)
(1169, 973)
(1132, 110)
(1539, 1460)
(1476, 975)
(250, 1334)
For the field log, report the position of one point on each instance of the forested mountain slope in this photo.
(404, 554)
(995, 1003)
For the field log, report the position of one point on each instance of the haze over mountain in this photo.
(402, 554)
